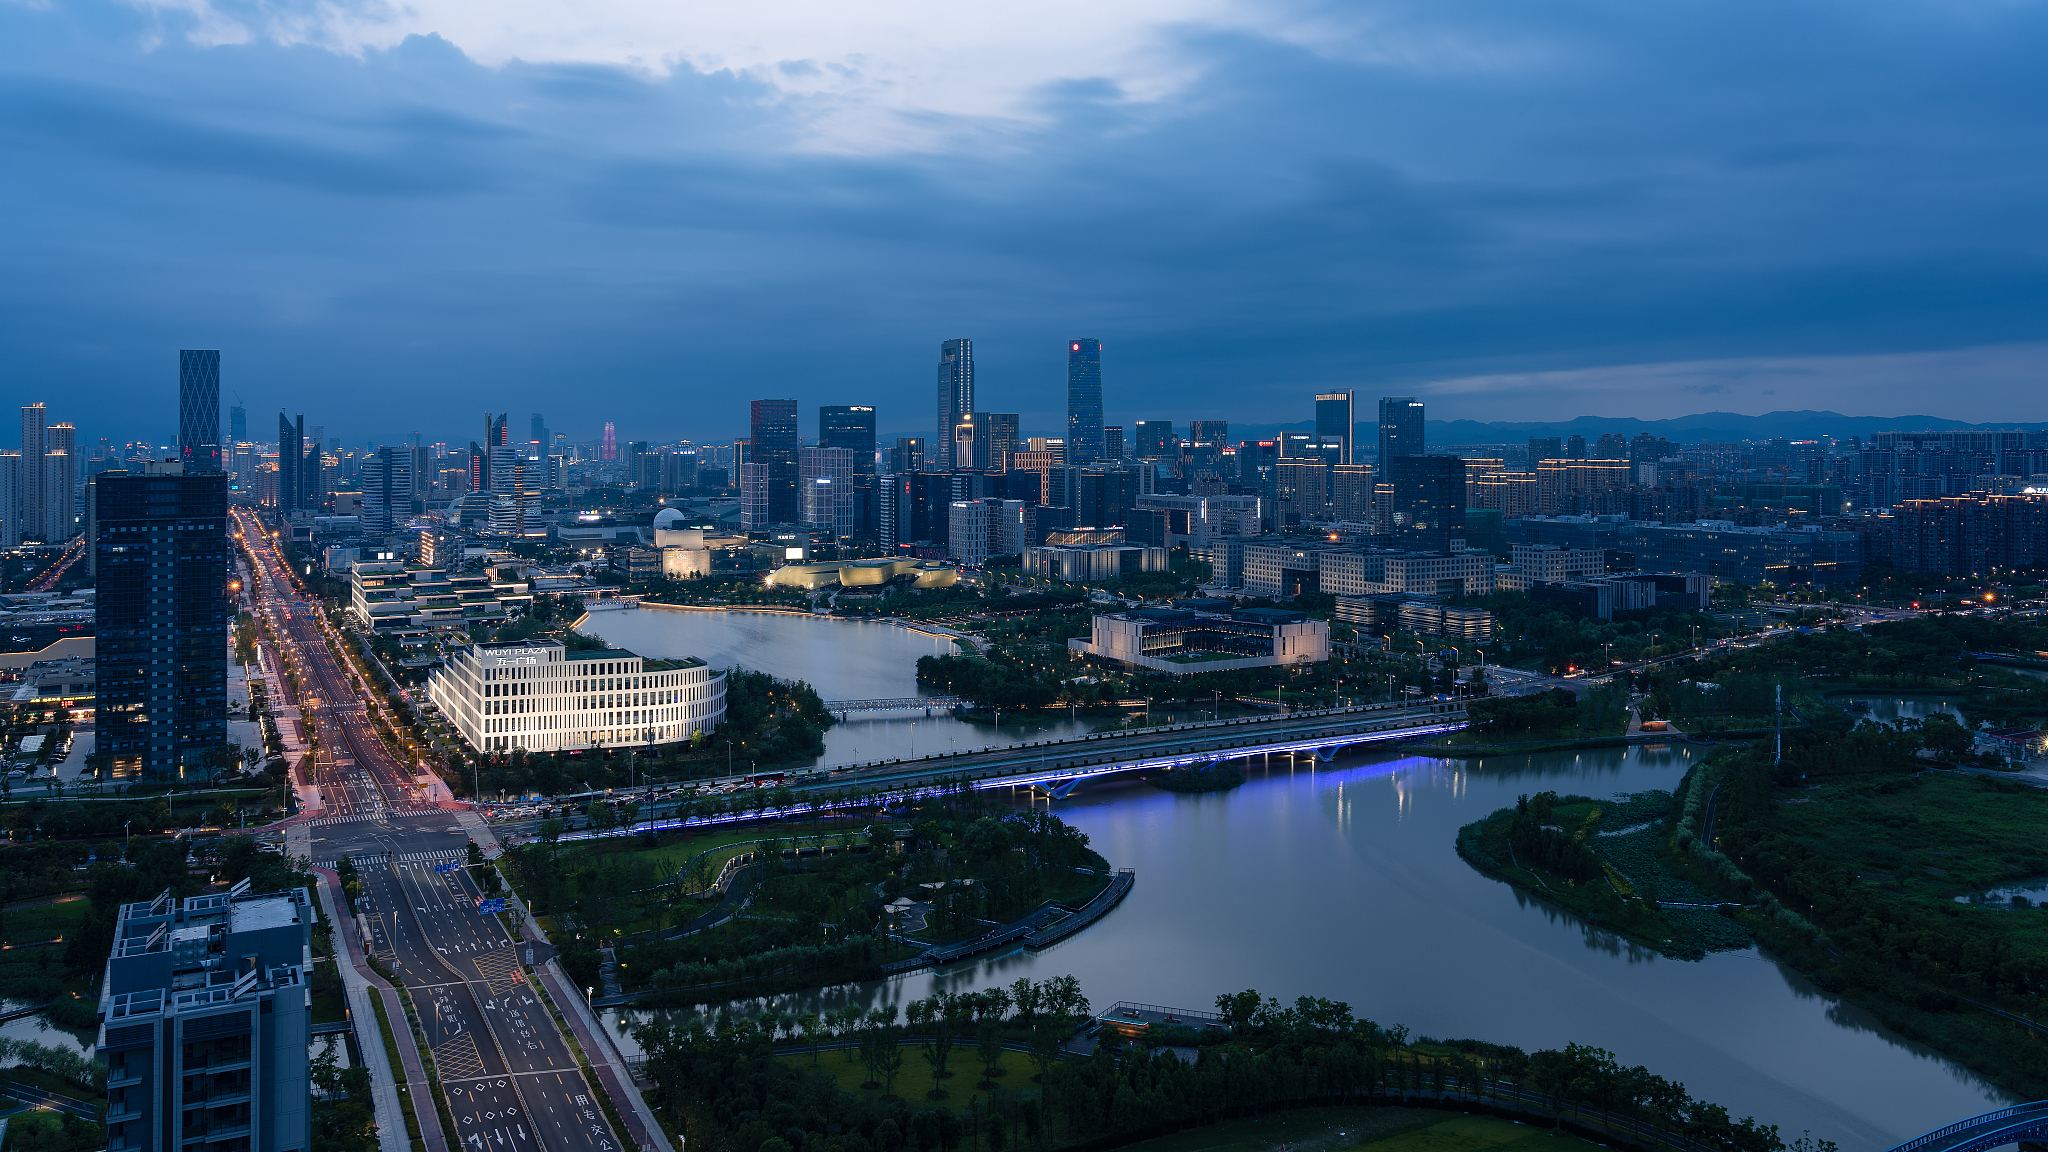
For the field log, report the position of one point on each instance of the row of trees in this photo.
(1541, 845)
(718, 1077)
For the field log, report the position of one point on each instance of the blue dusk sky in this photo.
(393, 215)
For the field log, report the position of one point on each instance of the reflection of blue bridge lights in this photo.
(1062, 780)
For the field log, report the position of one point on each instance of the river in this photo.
(1343, 881)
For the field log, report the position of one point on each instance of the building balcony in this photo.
(121, 1114)
(124, 1081)
(216, 1132)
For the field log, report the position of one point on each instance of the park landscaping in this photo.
(806, 902)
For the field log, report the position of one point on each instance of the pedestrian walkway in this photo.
(361, 983)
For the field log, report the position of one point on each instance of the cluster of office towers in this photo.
(1092, 477)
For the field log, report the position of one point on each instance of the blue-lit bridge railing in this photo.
(2015, 1125)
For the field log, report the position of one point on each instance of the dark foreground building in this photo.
(160, 550)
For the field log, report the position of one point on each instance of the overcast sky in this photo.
(393, 215)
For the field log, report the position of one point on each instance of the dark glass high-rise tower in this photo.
(956, 396)
(160, 541)
(238, 424)
(1400, 429)
(1428, 502)
(1334, 418)
(774, 447)
(199, 410)
(1084, 401)
(291, 464)
(852, 427)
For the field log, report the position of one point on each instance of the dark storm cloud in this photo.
(398, 240)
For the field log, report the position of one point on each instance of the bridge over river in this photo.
(2022, 1124)
(1058, 765)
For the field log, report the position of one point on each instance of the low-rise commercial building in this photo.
(537, 696)
(387, 594)
(205, 1021)
(1184, 643)
(1415, 612)
(1366, 572)
(68, 681)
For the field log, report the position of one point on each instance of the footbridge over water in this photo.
(1058, 766)
(2021, 1124)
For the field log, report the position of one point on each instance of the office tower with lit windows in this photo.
(907, 456)
(1400, 428)
(956, 396)
(852, 427)
(199, 410)
(1215, 432)
(995, 441)
(774, 448)
(1084, 403)
(1112, 445)
(161, 558)
(1427, 502)
(825, 485)
(1335, 418)
(1153, 440)
(538, 432)
(387, 480)
(608, 451)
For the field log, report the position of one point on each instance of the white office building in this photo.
(538, 696)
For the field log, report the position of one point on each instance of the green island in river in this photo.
(1894, 865)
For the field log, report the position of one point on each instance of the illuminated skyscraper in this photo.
(956, 396)
(1084, 401)
(611, 443)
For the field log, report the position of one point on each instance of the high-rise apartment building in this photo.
(1545, 448)
(1084, 403)
(825, 484)
(160, 540)
(1336, 419)
(1400, 429)
(774, 445)
(199, 410)
(34, 488)
(60, 465)
(1427, 503)
(206, 1023)
(1154, 439)
(956, 396)
(852, 427)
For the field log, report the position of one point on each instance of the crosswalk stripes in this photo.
(426, 857)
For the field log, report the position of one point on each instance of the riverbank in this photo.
(1607, 862)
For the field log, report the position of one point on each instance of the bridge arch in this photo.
(2021, 1122)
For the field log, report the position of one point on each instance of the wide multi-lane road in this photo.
(510, 1078)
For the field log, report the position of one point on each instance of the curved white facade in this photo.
(537, 696)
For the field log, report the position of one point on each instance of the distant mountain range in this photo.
(1683, 429)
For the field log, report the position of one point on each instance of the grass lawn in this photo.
(1472, 1133)
(46, 922)
(1307, 1130)
(914, 1079)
